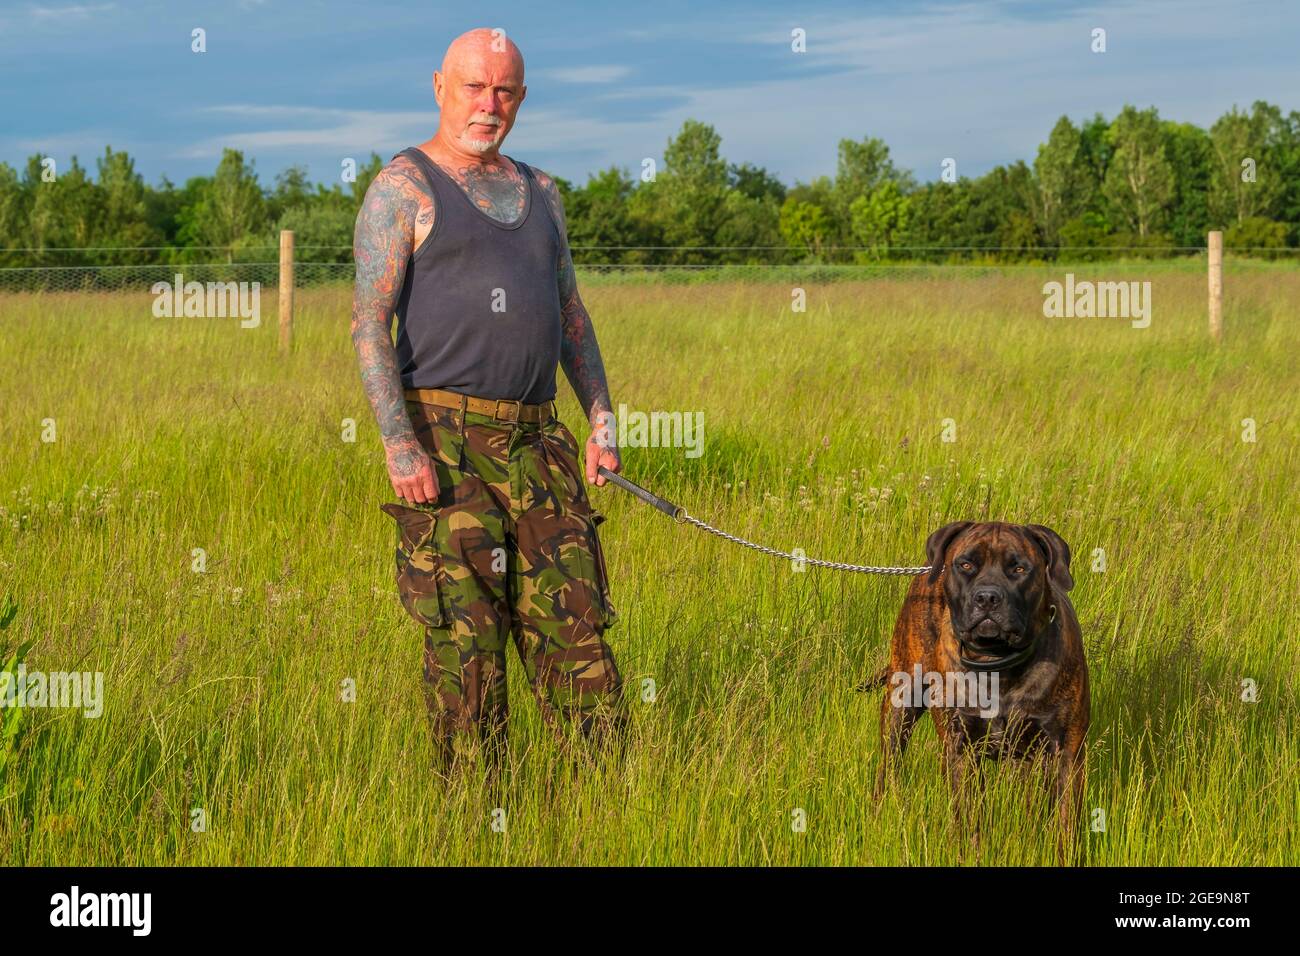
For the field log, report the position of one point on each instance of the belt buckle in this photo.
(518, 409)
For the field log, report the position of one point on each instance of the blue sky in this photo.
(314, 82)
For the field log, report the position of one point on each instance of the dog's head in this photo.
(998, 581)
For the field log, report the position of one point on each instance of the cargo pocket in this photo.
(563, 457)
(575, 503)
(419, 566)
(602, 572)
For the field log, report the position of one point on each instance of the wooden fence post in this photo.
(1216, 286)
(286, 289)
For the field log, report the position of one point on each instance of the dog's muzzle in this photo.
(1005, 662)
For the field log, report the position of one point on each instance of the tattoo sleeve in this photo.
(382, 243)
(579, 352)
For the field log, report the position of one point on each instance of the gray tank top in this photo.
(479, 312)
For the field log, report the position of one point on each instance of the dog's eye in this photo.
(1019, 569)
(965, 565)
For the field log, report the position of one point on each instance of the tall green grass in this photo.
(822, 431)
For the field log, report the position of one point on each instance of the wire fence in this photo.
(65, 270)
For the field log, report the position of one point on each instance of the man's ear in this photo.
(437, 87)
(1057, 552)
(936, 546)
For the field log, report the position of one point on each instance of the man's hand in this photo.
(602, 449)
(411, 471)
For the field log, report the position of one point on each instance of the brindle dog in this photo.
(994, 602)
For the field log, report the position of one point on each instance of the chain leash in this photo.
(679, 514)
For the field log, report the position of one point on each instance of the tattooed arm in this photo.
(382, 244)
(579, 353)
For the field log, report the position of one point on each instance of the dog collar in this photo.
(1000, 663)
(1008, 662)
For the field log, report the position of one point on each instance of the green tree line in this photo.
(229, 216)
(1130, 186)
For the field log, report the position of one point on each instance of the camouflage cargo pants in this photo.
(510, 552)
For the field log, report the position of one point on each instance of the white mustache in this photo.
(486, 121)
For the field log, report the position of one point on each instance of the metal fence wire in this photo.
(143, 278)
(95, 270)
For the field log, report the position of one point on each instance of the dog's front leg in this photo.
(1065, 769)
(1069, 793)
(961, 764)
(896, 725)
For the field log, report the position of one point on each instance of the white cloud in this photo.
(82, 143)
(587, 74)
(72, 12)
(343, 132)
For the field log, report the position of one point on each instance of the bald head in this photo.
(483, 43)
(479, 90)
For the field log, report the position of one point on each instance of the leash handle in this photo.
(650, 498)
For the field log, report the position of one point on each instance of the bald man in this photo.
(496, 538)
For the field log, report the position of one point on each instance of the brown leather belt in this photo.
(502, 409)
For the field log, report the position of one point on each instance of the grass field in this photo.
(823, 430)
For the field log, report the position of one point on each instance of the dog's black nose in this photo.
(986, 599)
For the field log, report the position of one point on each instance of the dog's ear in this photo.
(1057, 553)
(936, 546)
